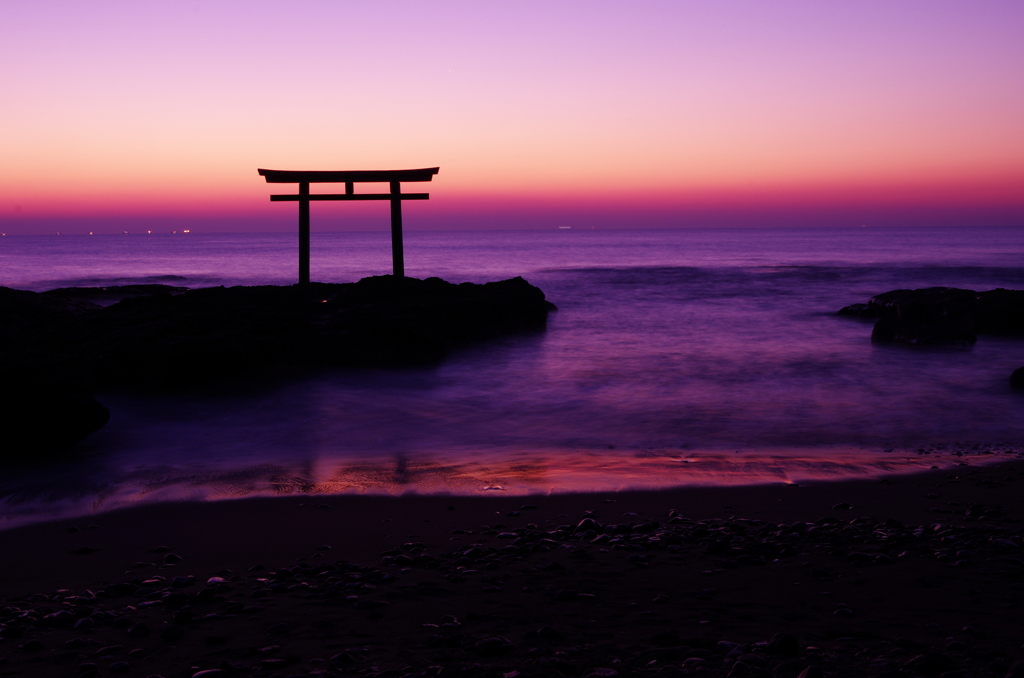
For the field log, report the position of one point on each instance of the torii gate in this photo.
(349, 177)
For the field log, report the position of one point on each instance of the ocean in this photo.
(676, 357)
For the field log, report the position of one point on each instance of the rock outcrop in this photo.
(56, 348)
(105, 296)
(896, 330)
(1017, 378)
(46, 420)
(941, 316)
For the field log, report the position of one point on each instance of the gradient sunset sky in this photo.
(641, 114)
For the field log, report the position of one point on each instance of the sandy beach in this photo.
(903, 575)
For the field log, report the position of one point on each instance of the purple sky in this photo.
(646, 114)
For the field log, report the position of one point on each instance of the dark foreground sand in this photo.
(922, 576)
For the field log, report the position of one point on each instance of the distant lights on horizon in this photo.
(128, 232)
(187, 230)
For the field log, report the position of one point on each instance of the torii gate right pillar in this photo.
(397, 253)
(304, 233)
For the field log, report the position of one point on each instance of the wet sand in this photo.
(921, 575)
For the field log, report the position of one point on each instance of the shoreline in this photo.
(774, 502)
(463, 475)
(552, 610)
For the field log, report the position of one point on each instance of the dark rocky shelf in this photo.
(58, 347)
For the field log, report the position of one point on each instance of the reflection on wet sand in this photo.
(534, 472)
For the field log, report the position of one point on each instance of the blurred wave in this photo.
(719, 347)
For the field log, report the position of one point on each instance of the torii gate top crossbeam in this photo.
(344, 176)
(349, 177)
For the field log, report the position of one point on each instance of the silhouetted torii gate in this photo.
(349, 177)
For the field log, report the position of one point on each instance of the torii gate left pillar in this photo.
(393, 178)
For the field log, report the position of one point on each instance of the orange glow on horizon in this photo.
(190, 197)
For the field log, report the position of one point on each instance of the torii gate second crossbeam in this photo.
(349, 177)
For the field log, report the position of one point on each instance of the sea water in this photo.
(675, 357)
